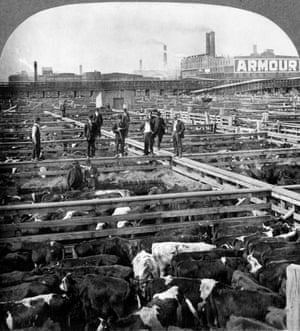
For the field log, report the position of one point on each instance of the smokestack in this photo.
(165, 56)
(210, 44)
(255, 49)
(35, 71)
(80, 70)
(207, 44)
(141, 64)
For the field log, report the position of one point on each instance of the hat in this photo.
(37, 119)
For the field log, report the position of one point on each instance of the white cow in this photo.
(163, 252)
(145, 266)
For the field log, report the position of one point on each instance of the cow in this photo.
(189, 290)
(32, 311)
(277, 318)
(123, 248)
(43, 285)
(95, 260)
(222, 302)
(21, 261)
(243, 281)
(159, 314)
(144, 267)
(118, 271)
(163, 252)
(43, 253)
(100, 296)
(237, 323)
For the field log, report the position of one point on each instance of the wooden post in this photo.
(293, 297)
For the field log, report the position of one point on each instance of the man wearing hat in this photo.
(36, 139)
(75, 177)
(178, 135)
(159, 128)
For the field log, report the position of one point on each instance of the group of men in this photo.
(155, 126)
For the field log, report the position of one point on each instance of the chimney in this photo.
(255, 49)
(141, 64)
(80, 70)
(207, 44)
(165, 56)
(35, 71)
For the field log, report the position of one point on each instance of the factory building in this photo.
(253, 66)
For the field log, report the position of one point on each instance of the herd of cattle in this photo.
(177, 280)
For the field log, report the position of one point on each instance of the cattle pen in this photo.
(220, 185)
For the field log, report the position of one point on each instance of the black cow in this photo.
(222, 302)
(95, 260)
(32, 311)
(123, 248)
(203, 269)
(21, 261)
(101, 296)
(43, 285)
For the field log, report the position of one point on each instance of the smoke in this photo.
(154, 41)
(26, 63)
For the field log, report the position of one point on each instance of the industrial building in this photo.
(253, 66)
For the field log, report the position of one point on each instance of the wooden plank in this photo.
(83, 235)
(293, 297)
(136, 200)
(134, 217)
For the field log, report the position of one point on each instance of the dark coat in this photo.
(90, 130)
(98, 120)
(180, 129)
(159, 126)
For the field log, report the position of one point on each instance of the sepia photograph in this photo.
(149, 165)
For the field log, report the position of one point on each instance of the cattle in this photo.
(272, 275)
(43, 253)
(163, 252)
(21, 261)
(123, 248)
(32, 311)
(237, 323)
(101, 296)
(243, 281)
(203, 269)
(222, 302)
(159, 314)
(118, 271)
(189, 291)
(43, 285)
(95, 260)
(277, 318)
(144, 266)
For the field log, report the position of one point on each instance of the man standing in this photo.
(148, 127)
(119, 131)
(126, 120)
(36, 139)
(98, 120)
(75, 177)
(178, 135)
(159, 129)
(63, 108)
(90, 134)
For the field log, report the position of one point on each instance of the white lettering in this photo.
(273, 65)
(292, 65)
(252, 65)
(283, 65)
(262, 65)
(241, 66)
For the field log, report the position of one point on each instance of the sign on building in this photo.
(266, 65)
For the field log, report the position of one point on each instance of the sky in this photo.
(113, 37)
